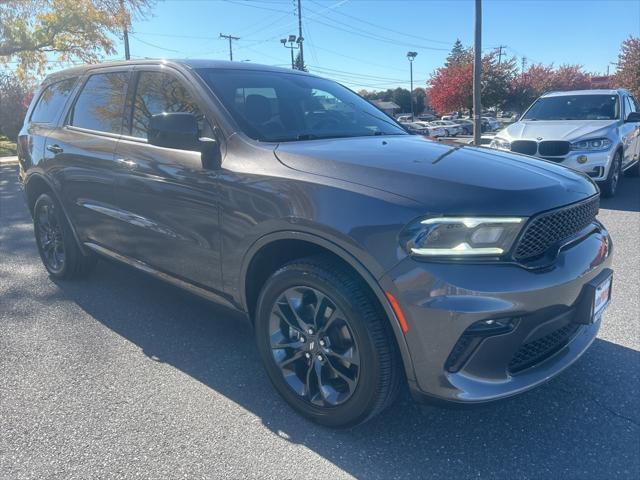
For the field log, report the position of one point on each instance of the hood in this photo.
(445, 179)
(568, 130)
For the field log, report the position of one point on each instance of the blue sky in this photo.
(363, 43)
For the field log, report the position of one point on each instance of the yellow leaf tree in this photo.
(33, 32)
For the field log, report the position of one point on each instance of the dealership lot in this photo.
(122, 376)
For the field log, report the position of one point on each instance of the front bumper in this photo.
(543, 307)
(597, 164)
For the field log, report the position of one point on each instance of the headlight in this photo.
(461, 236)
(500, 144)
(592, 144)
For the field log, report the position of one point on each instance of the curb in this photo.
(13, 160)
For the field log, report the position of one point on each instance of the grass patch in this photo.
(7, 147)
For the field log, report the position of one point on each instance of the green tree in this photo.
(15, 96)
(299, 64)
(33, 32)
(459, 54)
(496, 80)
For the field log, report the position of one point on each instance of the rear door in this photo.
(83, 154)
(169, 201)
(43, 117)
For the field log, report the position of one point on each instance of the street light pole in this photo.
(292, 42)
(477, 71)
(411, 56)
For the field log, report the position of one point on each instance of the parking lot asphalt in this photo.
(122, 376)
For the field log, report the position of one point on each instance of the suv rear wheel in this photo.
(610, 186)
(57, 246)
(325, 343)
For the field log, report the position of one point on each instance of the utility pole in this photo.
(411, 56)
(300, 38)
(125, 32)
(499, 48)
(477, 71)
(524, 64)
(230, 38)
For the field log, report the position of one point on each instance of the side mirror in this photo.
(177, 130)
(633, 117)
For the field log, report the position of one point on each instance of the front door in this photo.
(630, 134)
(168, 201)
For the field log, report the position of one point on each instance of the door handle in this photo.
(123, 162)
(55, 149)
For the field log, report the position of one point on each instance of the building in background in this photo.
(390, 108)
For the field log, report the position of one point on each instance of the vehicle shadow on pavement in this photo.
(627, 198)
(583, 424)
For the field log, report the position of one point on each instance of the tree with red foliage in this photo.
(451, 88)
(628, 72)
(539, 79)
(571, 77)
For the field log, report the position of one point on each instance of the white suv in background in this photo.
(594, 131)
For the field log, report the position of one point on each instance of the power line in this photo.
(356, 75)
(443, 42)
(363, 33)
(154, 45)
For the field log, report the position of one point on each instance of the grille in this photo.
(546, 230)
(534, 352)
(528, 147)
(553, 148)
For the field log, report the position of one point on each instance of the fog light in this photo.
(582, 159)
(491, 327)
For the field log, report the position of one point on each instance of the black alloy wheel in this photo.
(49, 236)
(326, 343)
(314, 347)
(56, 243)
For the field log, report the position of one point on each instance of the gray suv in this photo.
(365, 258)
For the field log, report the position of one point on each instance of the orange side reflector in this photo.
(398, 312)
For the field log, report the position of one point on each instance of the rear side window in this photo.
(101, 103)
(159, 92)
(630, 105)
(52, 100)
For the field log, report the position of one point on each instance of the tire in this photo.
(610, 186)
(353, 349)
(446, 133)
(56, 243)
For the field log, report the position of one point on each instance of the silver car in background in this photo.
(593, 131)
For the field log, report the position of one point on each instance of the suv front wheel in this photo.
(325, 343)
(610, 186)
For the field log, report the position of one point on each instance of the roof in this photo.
(595, 91)
(385, 105)
(189, 63)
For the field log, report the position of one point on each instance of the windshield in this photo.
(575, 107)
(284, 107)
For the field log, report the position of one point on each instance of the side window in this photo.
(101, 103)
(52, 100)
(159, 92)
(630, 106)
